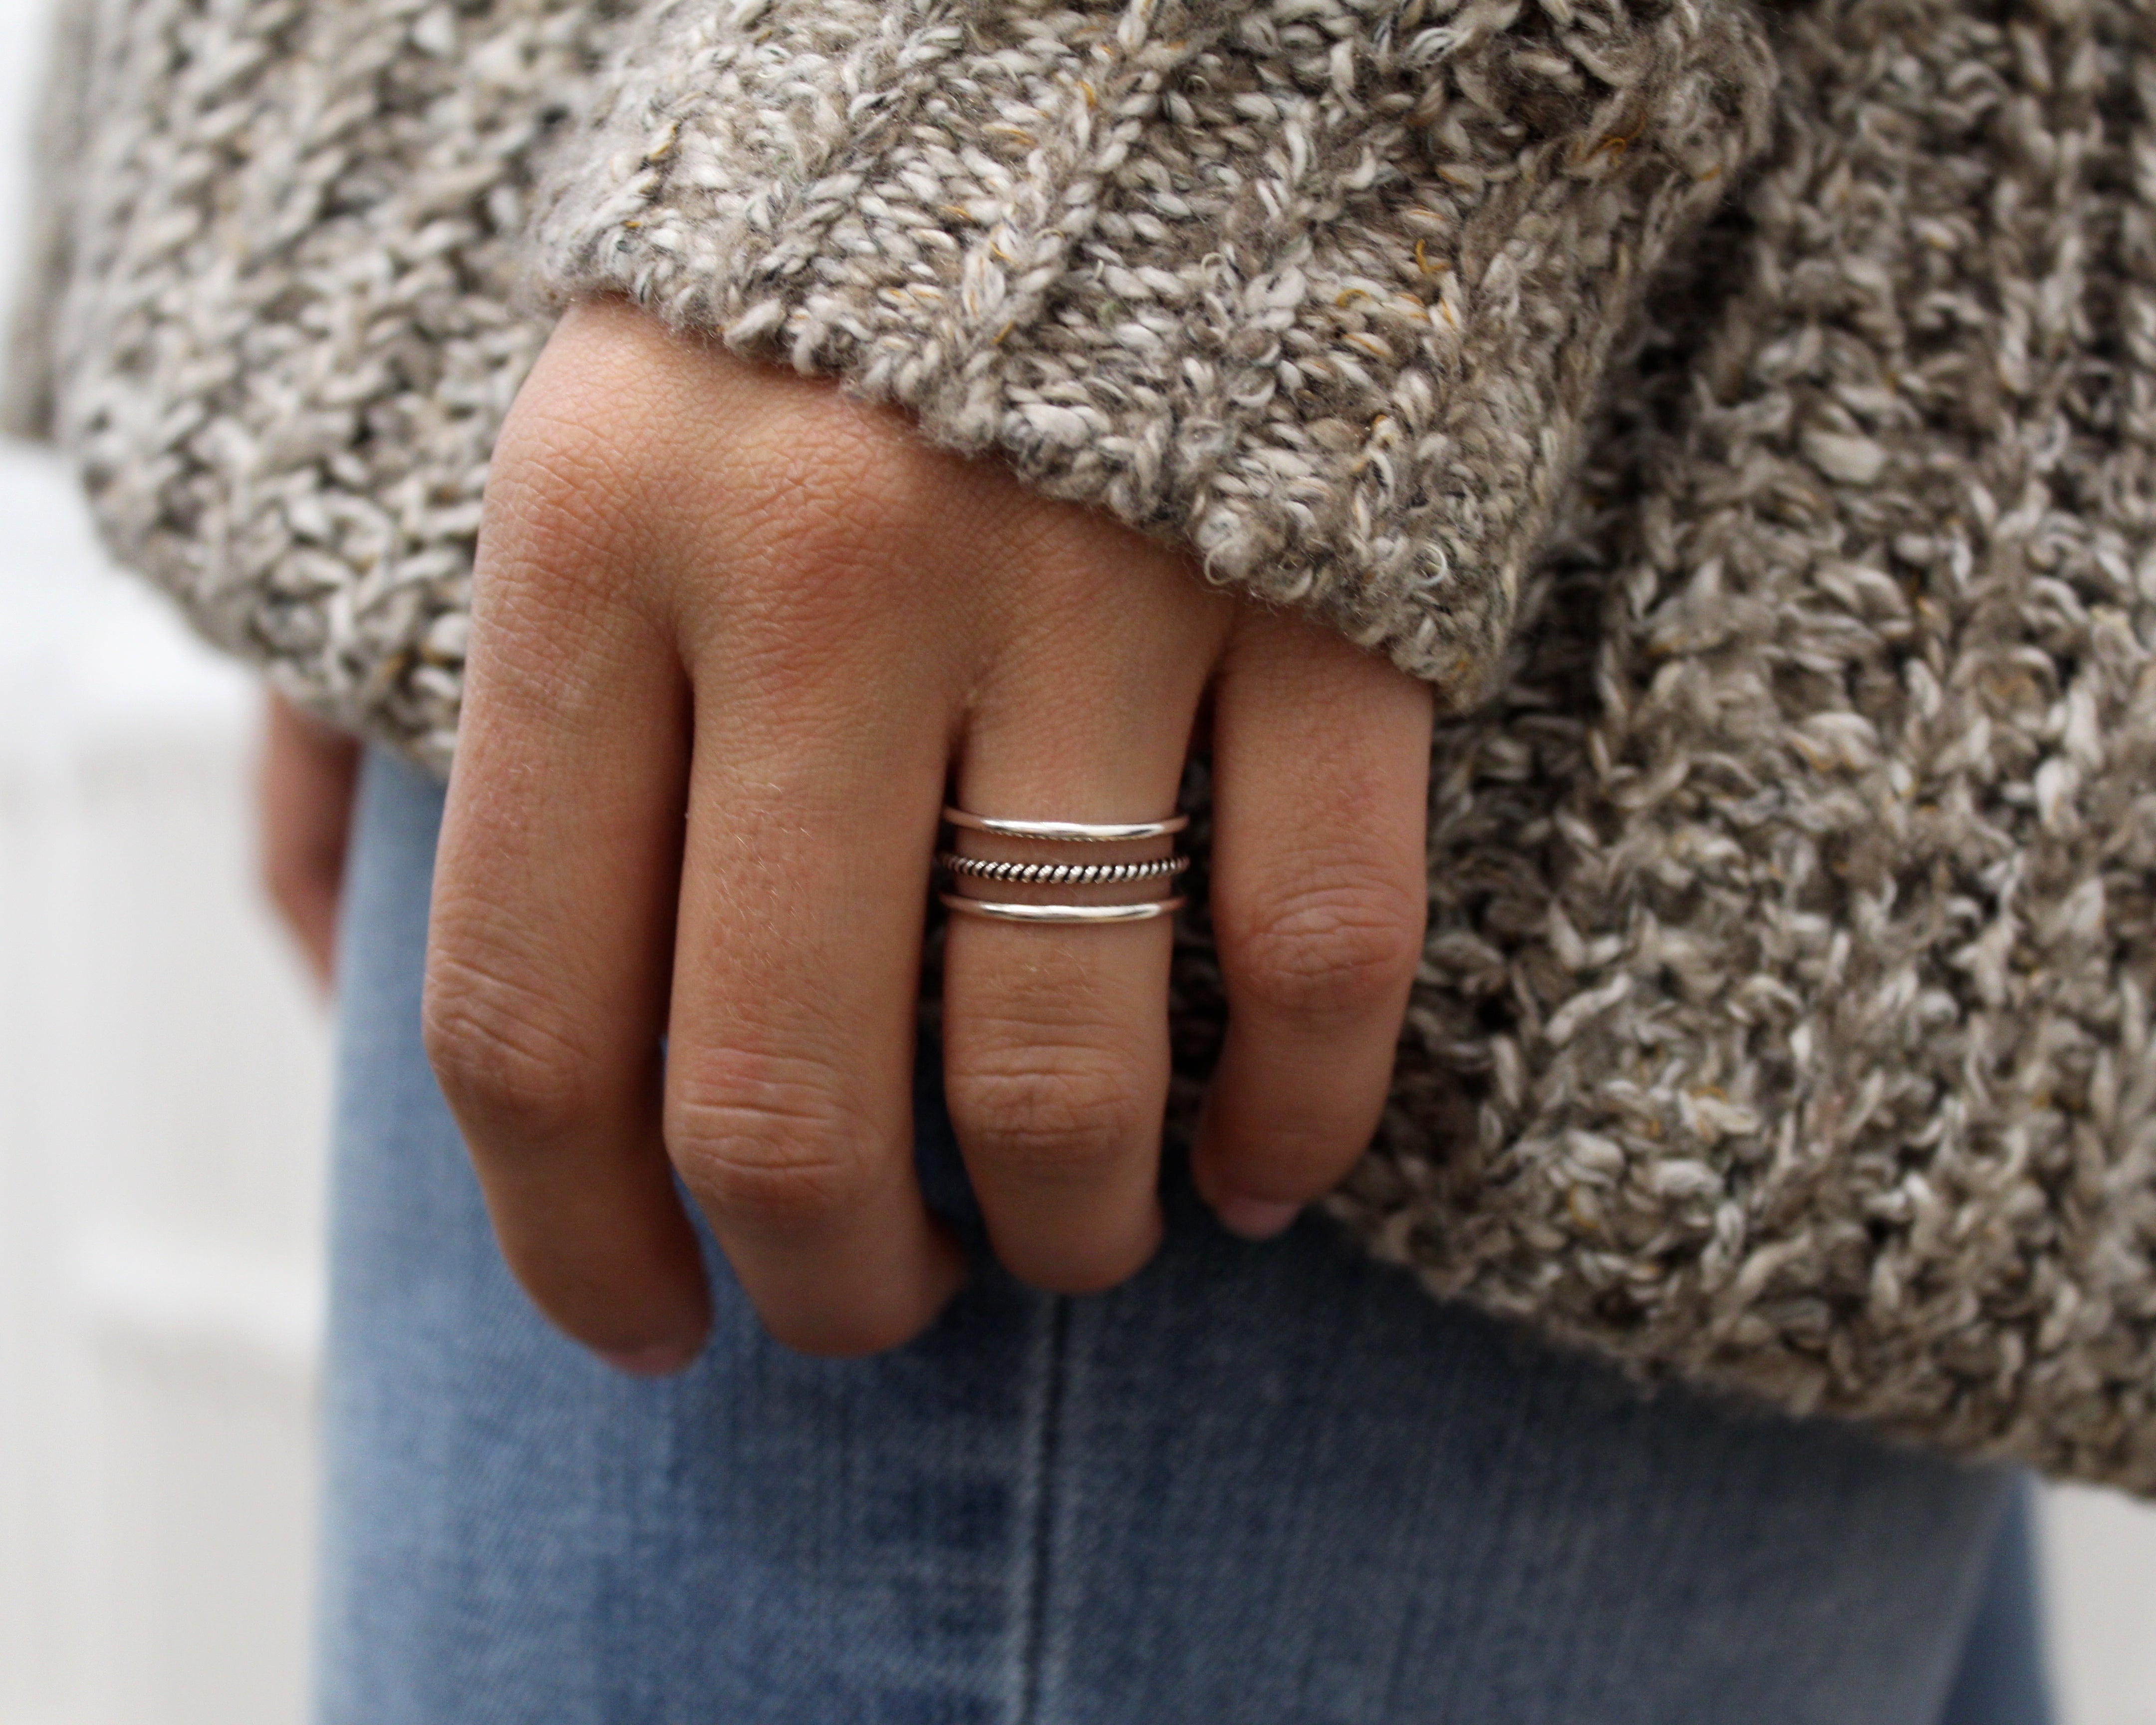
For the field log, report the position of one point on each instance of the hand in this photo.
(732, 635)
(303, 790)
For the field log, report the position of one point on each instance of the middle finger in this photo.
(789, 1106)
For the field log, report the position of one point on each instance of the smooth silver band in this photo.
(1076, 832)
(1035, 874)
(1062, 913)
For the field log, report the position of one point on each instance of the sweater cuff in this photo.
(1323, 289)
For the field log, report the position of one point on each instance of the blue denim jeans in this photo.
(1256, 1485)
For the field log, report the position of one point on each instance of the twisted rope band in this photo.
(1029, 874)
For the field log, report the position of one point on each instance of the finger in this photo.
(1055, 1035)
(789, 1080)
(549, 944)
(1321, 769)
(824, 703)
(306, 779)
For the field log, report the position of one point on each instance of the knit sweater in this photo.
(1742, 415)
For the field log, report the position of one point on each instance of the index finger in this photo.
(547, 949)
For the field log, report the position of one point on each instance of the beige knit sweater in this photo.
(1742, 414)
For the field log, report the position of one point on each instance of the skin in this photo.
(735, 640)
(305, 778)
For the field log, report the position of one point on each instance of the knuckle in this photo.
(767, 1146)
(1344, 948)
(831, 465)
(1059, 1113)
(559, 488)
(582, 490)
(562, 562)
(836, 491)
(505, 1052)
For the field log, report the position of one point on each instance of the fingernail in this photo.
(1254, 1218)
(657, 1361)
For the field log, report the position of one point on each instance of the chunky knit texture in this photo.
(288, 338)
(1786, 1020)
(1323, 288)
(1785, 1023)
(28, 377)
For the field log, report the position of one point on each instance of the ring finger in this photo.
(1055, 1034)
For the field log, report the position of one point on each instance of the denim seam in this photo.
(1040, 1460)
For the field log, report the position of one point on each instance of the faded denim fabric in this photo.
(1256, 1485)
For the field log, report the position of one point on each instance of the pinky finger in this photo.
(1321, 770)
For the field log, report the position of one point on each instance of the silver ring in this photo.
(1062, 913)
(1076, 832)
(1035, 874)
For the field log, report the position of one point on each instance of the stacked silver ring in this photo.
(1039, 874)
(1023, 874)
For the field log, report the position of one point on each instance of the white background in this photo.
(162, 1074)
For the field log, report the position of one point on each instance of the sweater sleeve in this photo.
(1323, 289)
(28, 383)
